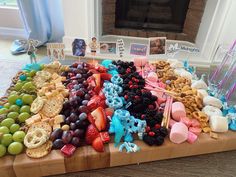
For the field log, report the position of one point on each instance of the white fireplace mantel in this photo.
(82, 19)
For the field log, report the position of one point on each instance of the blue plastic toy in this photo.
(130, 147)
(112, 69)
(232, 118)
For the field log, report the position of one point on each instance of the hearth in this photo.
(175, 19)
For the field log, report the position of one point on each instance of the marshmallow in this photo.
(195, 130)
(178, 111)
(175, 63)
(152, 77)
(186, 74)
(212, 101)
(191, 137)
(200, 84)
(218, 123)
(186, 121)
(140, 61)
(203, 92)
(212, 111)
(171, 123)
(195, 123)
(179, 133)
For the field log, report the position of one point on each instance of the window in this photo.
(8, 3)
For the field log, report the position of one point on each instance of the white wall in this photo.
(228, 33)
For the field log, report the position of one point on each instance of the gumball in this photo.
(23, 77)
(1, 107)
(19, 102)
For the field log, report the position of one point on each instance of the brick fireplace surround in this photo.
(190, 28)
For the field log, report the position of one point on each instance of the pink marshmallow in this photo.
(186, 121)
(192, 137)
(152, 77)
(179, 133)
(195, 123)
(140, 61)
(195, 130)
(178, 111)
(171, 123)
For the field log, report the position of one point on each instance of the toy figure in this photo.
(32, 50)
(93, 46)
(79, 47)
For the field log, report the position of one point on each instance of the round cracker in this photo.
(53, 106)
(40, 151)
(43, 125)
(37, 105)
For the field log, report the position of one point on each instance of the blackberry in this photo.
(149, 140)
(159, 140)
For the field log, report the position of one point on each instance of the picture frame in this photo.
(157, 46)
(138, 49)
(107, 47)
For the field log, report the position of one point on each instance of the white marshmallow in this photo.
(212, 111)
(218, 123)
(203, 92)
(200, 84)
(212, 101)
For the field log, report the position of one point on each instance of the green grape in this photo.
(7, 122)
(6, 139)
(23, 116)
(12, 98)
(27, 99)
(13, 92)
(18, 86)
(14, 108)
(29, 79)
(4, 130)
(3, 111)
(3, 150)
(13, 115)
(15, 148)
(25, 108)
(7, 105)
(19, 136)
(14, 128)
(28, 86)
(32, 73)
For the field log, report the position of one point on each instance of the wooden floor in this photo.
(211, 165)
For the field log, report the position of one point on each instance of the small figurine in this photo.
(79, 47)
(93, 46)
(32, 50)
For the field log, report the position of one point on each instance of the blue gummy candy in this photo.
(19, 102)
(106, 63)
(23, 77)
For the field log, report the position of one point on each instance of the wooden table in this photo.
(85, 158)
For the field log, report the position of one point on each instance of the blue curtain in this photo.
(43, 19)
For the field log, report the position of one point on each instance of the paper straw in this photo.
(230, 91)
(223, 62)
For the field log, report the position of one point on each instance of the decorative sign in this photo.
(138, 49)
(157, 45)
(121, 47)
(173, 49)
(55, 51)
(107, 47)
(79, 47)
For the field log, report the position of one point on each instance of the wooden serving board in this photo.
(85, 158)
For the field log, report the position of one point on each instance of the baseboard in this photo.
(12, 33)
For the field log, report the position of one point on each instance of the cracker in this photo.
(39, 152)
(37, 105)
(43, 125)
(53, 106)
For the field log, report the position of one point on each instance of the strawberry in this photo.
(109, 112)
(101, 95)
(97, 79)
(93, 102)
(94, 71)
(98, 145)
(91, 134)
(105, 137)
(106, 76)
(91, 119)
(101, 69)
(99, 118)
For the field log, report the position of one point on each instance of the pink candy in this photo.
(179, 133)
(152, 77)
(186, 121)
(195, 130)
(140, 61)
(192, 137)
(178, 111)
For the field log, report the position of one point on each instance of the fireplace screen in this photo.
(161, 15)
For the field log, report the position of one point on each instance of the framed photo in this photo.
(138, 49)
(55, 51)
(79, 47)
(157, 46)
(108, 47)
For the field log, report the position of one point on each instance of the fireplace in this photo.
(175, 19)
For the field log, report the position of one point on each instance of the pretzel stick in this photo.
(168, 117)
